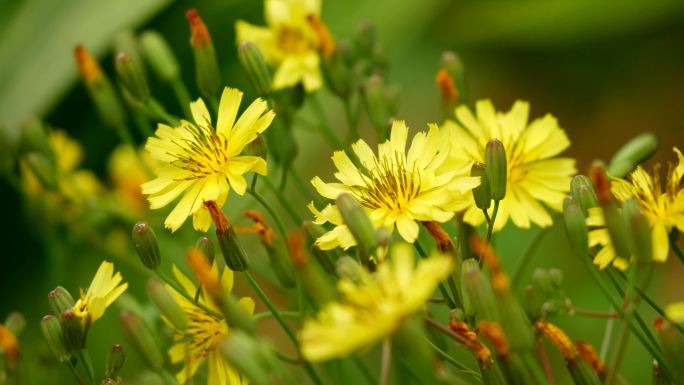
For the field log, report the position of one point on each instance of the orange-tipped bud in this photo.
(312, 277)
(444, 243)
(447, 86)
(234, 255)
(482, 352)
(200, 266)
(260, 226)
(296, 244)
(87, 65)
(558, 338)
(588, 354)
(485, 250)
(199, 34)
(599, 179)
(493, 332)
(280, 262)
(9, 345)
(325, 39)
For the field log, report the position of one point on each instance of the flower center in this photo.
(203, 155)
(205, 332)
(389, 184)
(292, 40)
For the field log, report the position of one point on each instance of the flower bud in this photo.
(206, 246)
(637, 150)
(452, 63)
(359, 224)
(583, 191)
(672, 343)
(167, 306)
(515, 322)
(230, 246)
(115, 361)
(207, 70)
(60, 300)
(575, 226)
(15, 323)
(52, 331)
(156, 51)
(312, 277)
(249, 356)
(495, 159)
(100, 89)
(589, 355)
(478, 296)
(74, 332)
(258, 147)
(376, 101)
(638, 231)
(348, 267)
(326, 258)
(145, 243)
(132, 78)
(556, 276)
(43, 169)
(337, 72)
(481, 193)
(254, 65)
(139, 336)
(611, 213)
(125, 41)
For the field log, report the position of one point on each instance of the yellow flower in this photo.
(288, 43)
(397, 187)
(105, 288)
(199, 341)
(675, 312)
(534, 175)
(127, 174)
(664, 209)
(373, 306)
(204, 161)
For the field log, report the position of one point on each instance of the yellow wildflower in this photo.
(204, 161)
(373, 306)
(664, 210)
(289, 42)
(534, 174)
(199, 341)
(127, 174)
(397, 187)
(105, 288)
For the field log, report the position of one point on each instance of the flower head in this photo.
(534, 174)
(105, 288)
(199, 341)
(397, 187)
(204, 161)
(663, 207)
(373, 306)
(289, 42)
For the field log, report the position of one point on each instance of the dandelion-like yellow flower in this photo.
(105, 288)
(199, 341)
(534, 174)
(664, 209)
(289, 42)
(204, 161)
(373, 306)
(397, 187)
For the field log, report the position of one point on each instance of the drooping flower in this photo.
(199, 341)
(535, 175)
(374, 305)
(289, 42)
(663, 207)
(104, 289)
(397, 187)
(203, 161)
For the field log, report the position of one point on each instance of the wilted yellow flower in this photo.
(204, 161)
(535, 176)
(199, 341)
(397, 187)
(105, 288)
(374, 305)
(664, 210)
(288, 42)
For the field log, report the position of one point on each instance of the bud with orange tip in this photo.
(207, 71)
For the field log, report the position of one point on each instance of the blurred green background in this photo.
(606, 69)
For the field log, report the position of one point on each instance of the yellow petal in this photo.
(661, 244)
(200, 113)
(228, 109)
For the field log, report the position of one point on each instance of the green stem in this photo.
(285, 358)
(534, 368)
(88, 364)
(442, 289)
(276, 218)
(74, 371)
(284, 202)
(182, 292)
(354, 133)
(182, 95)
(490, 228)
(267, 314)
(461, 367)
(363, 369)
(167, 377)
(252, 186)
(156, 109)
(526, 258)
(675, 247)
(264, 298)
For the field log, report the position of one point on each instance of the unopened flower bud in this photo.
(131, 77)
(609, 206)
(115, 361)
(145, 243)
(139, 336)
(206, 246)
(495, 161)
(481, 193)
(156, 51)
(556, 276)
(638, 231)
(672, 343)
(43, 169)
(254, 65)
(258, 147)
(15, 323)
(60, 300)
(599, 179)
(74, 332)
(542, 281)
(167, 306)
(337, 72)
(207, 70)
(348, 267)
(637, 150)
(374, 94)
(583, 191)
(52, 331)
(452, 63)
(478, 296)
(100, 89)
(233, 253)
(359, 224)
(575, 226)
(249, 356)
(312, 277)
(589, 355)
(126, 41)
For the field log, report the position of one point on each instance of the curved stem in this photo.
(286, 204)
(442, 289)
(267, 314)
(490, 228)
(276, 218)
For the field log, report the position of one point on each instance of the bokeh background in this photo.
(606, 69)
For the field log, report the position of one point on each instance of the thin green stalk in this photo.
(182, 95)
(274, 215)
(327, 132)
(182, 292)
(386, 362)
(607, 336)
(354, 133)
(442, 289)
(74, 371)
(490, 228)
(84, 357)
(533, 367)
(268, 314)
(296, 218)
(285, 358)
(252, 185)
(264, 298)
(526, 258)
(153, 107)
(678, 252)
(167, 377)
(363, 369)
(448, 358)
